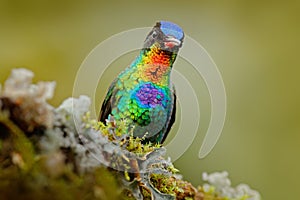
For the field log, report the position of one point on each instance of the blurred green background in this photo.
(255, 45)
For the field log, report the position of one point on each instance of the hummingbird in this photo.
(143, 94)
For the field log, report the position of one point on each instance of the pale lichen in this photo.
(220, 184)
(27, 102)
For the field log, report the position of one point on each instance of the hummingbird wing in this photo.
(171, 116)
(107, 103)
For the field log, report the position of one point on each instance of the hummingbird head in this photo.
(166, 35)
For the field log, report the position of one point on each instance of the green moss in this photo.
(136, 146)
(170, 185)
(127, 195)
(211, 194)
(132, 144)
(22, 151)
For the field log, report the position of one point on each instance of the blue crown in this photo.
(169, 28)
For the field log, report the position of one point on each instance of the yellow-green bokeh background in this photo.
(255, 45)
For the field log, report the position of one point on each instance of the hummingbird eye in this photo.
(154, 34)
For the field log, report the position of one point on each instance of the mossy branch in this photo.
(61, 153)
